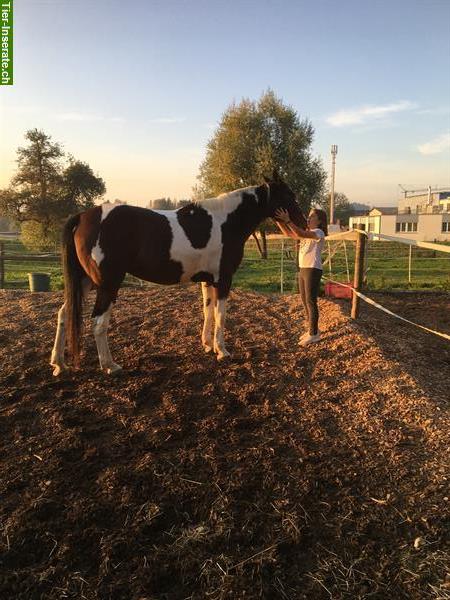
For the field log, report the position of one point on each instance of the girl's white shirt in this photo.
(310, 253)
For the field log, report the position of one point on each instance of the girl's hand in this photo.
(282, 215)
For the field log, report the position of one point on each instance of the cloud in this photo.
(167, 120)
(368, 113)
(436, 145)
(86, 117)
(436, 110)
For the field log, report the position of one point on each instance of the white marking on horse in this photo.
(97, 253)
(207, 259)
(220, 310)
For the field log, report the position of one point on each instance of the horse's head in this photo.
(280, 195)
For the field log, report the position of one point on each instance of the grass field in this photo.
(387, 264)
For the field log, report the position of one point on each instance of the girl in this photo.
(310, 263)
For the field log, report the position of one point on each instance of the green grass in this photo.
(16, 271)
(387, 262)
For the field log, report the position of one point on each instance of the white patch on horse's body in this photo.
(107, 207)
(97, 253)
(226, 203)
(207, 259)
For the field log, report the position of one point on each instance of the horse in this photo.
(201, 242)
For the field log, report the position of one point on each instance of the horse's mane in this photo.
(224, 201)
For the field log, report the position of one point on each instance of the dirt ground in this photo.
(283, 473)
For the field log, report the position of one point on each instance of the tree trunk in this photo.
(262, 251)
(264, 244)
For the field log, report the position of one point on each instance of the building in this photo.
(422, 215)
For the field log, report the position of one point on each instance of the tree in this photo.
(342, 207)
(80, 186)
(254, 138)
(251, 140)
(44, 191)
(33, 189)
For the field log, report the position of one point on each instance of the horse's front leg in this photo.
(220, 307)
(208, 312)
(100, 321)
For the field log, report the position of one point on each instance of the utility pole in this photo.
(334, 150)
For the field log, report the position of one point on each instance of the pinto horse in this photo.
(201, 242)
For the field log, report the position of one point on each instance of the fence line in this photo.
(409, 242)
(389, 312)
(360, 266)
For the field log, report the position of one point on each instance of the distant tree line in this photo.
(168, 203)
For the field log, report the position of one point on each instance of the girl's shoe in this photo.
(310, 339)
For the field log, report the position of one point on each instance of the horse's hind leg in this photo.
(57, 357)
(101, 315)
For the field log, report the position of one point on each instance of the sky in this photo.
(137, 88)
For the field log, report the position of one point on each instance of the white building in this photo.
(421, 216)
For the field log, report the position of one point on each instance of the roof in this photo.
(385, 210)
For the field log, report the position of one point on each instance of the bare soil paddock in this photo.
(283, 473)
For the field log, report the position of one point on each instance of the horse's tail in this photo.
(73, 290)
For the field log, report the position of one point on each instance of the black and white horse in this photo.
(201, 242)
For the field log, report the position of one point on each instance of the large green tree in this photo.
(252, 139)
(45, 189)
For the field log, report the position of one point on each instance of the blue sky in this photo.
(136, 88)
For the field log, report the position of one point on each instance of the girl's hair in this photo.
(322, 215)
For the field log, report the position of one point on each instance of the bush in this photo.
(35, 236)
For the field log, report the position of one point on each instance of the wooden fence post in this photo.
(2, 265)
(359, 272)
(409, 263)
(297, 268)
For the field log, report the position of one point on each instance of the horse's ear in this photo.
(275, 175)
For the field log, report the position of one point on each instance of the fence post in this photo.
(346, 262)
(359, 272)
(2, 265)
(329, 260)
(297, 268)
(409, 263)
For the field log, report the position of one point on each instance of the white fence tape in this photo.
(389, 312)
(353, 234)
(428, 245)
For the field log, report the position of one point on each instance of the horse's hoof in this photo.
(113, 368)
(222, 355)
(207, 348)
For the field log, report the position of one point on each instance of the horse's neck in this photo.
(243, 208)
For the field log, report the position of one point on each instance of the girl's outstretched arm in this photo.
(284, 222)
